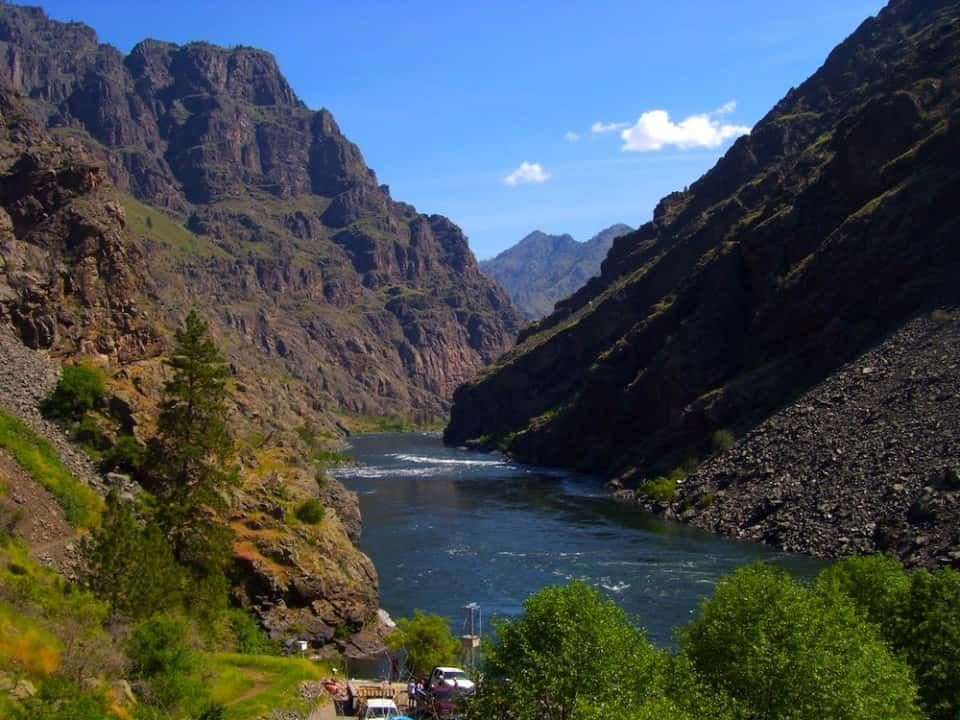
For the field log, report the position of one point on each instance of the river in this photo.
(446, 527)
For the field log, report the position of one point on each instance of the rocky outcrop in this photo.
(866, 461)
(307, 581)
(276, 224)
(67, 270)
(812, 239)
(542, 269)
(72, 287)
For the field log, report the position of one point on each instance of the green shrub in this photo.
(918, 614)
(131, 566)
(61, 699)
(722, 441)
(214, 711)
(165, 663)
(662, 489)
(250, 637)
(126, 455)
(311, 512)
(330, 459)
(81, 388)
(929, 639)
(89, 434)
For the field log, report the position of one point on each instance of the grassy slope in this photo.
(154, 224)
(251, 686)
(35, 455)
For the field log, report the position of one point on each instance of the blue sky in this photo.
(447, 99)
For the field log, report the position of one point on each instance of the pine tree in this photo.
(190, 456)
(131, 566)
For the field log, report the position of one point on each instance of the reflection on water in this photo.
(446, 527)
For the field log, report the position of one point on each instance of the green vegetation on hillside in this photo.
(80, 504)
(253, 686)
(365, 424)
(151, 606)
(310, 512)
(156, 225)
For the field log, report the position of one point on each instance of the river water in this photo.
(446, 527)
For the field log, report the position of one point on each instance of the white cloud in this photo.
(601, 127)
(725, 109)
(655, 130)
(527, 173)
(570, 136)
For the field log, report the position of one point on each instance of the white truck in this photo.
(449, 681)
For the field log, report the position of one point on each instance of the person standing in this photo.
(411, 692)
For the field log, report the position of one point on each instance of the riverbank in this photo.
(867, 461)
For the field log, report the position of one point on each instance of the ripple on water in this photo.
(454, 527)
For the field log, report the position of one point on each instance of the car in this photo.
(449, 680)
(380, 709)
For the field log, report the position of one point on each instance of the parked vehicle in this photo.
(449, 680)
(380, 709)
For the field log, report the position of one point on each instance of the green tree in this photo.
(929, 639)
(788, 651)
(426, 640)
(918, 614)
(131, 566)
(878, 585)
(571, 652)
(165, 664)
(79, 389)
(192, 451)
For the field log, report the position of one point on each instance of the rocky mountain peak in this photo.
(244, 74)
(542, 269)
(285, 233)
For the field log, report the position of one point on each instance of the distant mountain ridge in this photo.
(542, 269)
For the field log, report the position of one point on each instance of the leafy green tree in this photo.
(571, 652)
(918, 614)
(788, 651)
(79, 389)
(929, 639)
(426, 640)
(131, 566)
(164, 662)
(190, 457)
(877, 584)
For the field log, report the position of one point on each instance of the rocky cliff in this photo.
(866, 461)
(309, 268)
(73, 281)
(542, 269)
(825, 230)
